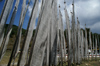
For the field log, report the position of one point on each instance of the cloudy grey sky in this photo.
(88, 12)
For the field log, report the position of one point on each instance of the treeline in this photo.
(15, 29)
(14, 34)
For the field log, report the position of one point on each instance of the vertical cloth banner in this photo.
(37, 54)
(9, 29)
(18, 37)
(86, 48)
(20, 29)
(69, 36)
(82, 44)
(79, 43)
(61, 38)
(54, 33)
(73, 33)
(3, 18)
(29, 33)
(90, 41)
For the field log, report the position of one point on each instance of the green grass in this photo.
(93, 62)
(6, 57)
(86, 63)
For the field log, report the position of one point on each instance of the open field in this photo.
(5, 59)
(90, 63)
(87, 63)
(93, 62)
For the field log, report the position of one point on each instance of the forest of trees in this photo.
(15, 28)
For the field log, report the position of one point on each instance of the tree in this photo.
(0, 0)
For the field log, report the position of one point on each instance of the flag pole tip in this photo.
(85, 25)
(64, 2)
(59, 6)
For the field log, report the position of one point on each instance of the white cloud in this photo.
(88, 12)
(39, 7)
(87, 9)
(29, 10)
(31, 6)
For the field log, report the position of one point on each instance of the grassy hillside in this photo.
(15, 29)
(13, 36)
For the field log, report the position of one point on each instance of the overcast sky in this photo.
(88, 12)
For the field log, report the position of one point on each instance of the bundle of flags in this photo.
(49, 39)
